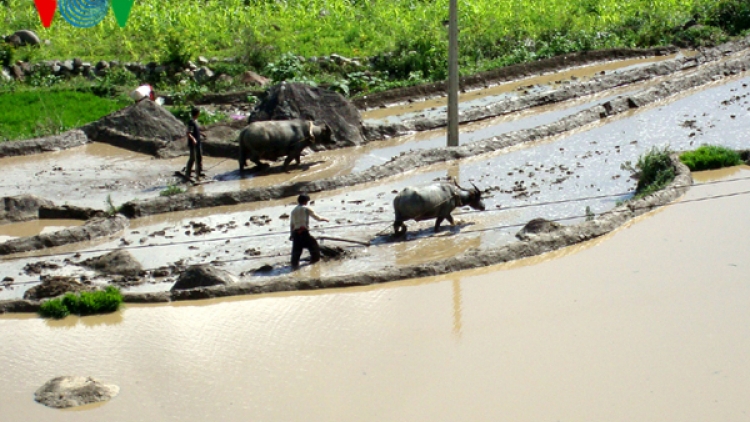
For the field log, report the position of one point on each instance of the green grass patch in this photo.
(261, 31)
(709, 157)
(85, 303)
(172, 190)
(654, 171)
(32, 113)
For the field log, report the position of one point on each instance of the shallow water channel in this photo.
(607, 330)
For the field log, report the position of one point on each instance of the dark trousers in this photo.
(301, 239)
(196, 156)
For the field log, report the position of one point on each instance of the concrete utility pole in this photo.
(453, 75)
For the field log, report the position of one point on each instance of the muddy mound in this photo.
(93, 229)
(71, 212)
(21, 208)
(203, 276)
(65, 140)
(117, 262)
(287, 101)
(537, 226)
(62, 392)
(143, 127)
(53, 287)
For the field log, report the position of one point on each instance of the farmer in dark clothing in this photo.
(300, 236)
(195, 145)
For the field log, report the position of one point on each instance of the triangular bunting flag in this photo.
(46, 10)
(122, 11)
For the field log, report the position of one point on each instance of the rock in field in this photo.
(537, 226)
(53, 287)
(203, 276)
(287, 101)
(63, 392)
(117, 262)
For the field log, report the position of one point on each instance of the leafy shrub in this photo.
(172, 190)
(54, 309)
(361, 82)
(99, 302)
(709, 157)
(107, 85)
(231, 69)
(288, 66)
(7, 53)
(179, 50)
(699, 36)
(654, 171)
(85, 303)
(733, 16)
(426, 54)
(182, 112)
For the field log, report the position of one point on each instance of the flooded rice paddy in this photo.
(645, 323)
(510, 89)
(565, 179)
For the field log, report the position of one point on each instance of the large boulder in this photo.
(203, 276)
(23, 37)
(63, 392)
(537, 226)
(143, 127)
(21, 208)
(53, 287)
(117, 262)
(287, 101)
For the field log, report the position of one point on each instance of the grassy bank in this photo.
(492, 32)
(32, 113)
(709, 157)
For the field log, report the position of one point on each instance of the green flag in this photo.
(122, 11)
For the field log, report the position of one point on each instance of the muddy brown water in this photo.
(606, 330)
(35, 227)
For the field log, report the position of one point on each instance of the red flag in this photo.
(46, 9)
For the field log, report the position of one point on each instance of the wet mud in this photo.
(508, 73)
(70, 139)
(425, 158)
(533, 245)
(93, 229)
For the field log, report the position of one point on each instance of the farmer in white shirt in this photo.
(300, 232)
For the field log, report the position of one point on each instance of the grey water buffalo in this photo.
(436, 201)
(271, 139)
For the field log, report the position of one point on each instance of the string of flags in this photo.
(83, 13)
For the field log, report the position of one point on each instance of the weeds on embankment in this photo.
(172, 190)
(654, 171)
(85, 303)
(709, 157)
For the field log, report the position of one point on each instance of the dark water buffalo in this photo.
(433, 201)
(271, 139)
